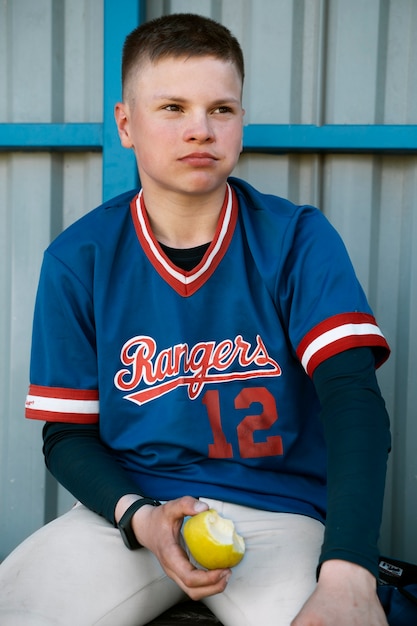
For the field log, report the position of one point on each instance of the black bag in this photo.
(397, 591)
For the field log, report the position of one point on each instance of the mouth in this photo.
(199, 159)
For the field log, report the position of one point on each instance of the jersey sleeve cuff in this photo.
(57, 404)
(338, 333)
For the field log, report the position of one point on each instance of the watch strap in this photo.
(125, 522)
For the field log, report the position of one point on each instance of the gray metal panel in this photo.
(51, 66)
(315, 62)
(51, 61)
(39, 195)
(24, 194)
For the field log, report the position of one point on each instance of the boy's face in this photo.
(183, 118)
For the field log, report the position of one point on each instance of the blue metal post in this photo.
(119, 167)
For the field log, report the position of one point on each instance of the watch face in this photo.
(128, 535)
(129, 539)
(126, 530)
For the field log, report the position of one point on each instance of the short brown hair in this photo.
(180, 34)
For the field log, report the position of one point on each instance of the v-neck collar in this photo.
(186, 283)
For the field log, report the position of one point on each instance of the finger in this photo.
(177, 565)
(199, 584)
(175, 559)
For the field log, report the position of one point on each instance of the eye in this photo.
(223, 109)
(172, 107)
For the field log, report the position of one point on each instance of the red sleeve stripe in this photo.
(62, 405)
(340, 333)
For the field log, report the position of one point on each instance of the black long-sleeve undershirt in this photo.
(79, 460)
(357, 432)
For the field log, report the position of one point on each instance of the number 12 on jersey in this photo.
(251, 423)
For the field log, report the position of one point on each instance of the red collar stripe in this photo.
(186, 283)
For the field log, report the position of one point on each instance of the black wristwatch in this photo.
(125, 523)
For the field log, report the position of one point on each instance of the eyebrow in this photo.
(180, 100)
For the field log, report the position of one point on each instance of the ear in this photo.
(121, 115)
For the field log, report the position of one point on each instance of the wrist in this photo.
(125, 524)
(333, 570)
(123, 504)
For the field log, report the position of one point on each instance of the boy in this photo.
(201, 344)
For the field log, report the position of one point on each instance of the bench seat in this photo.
(191, 613)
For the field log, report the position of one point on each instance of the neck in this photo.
(184, 224)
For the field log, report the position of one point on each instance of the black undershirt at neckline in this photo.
(185, 258)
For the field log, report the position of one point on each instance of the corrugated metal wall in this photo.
(50, 71)
(308, 62)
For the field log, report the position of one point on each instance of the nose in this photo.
(199, 128)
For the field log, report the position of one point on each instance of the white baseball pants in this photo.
(76, 570)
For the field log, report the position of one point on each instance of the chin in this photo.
(204, 184)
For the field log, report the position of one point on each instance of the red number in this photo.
(220, 449)
(248, 447)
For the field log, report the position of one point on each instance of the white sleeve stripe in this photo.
(341, 332)
(59, 405)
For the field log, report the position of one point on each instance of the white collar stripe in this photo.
(185, 279)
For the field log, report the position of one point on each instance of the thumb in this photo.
(200, 506)
(187, 505)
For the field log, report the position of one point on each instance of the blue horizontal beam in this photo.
(273, 138)
(276, 138)
(46, 137)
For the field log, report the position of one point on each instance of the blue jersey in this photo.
(201, 381)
